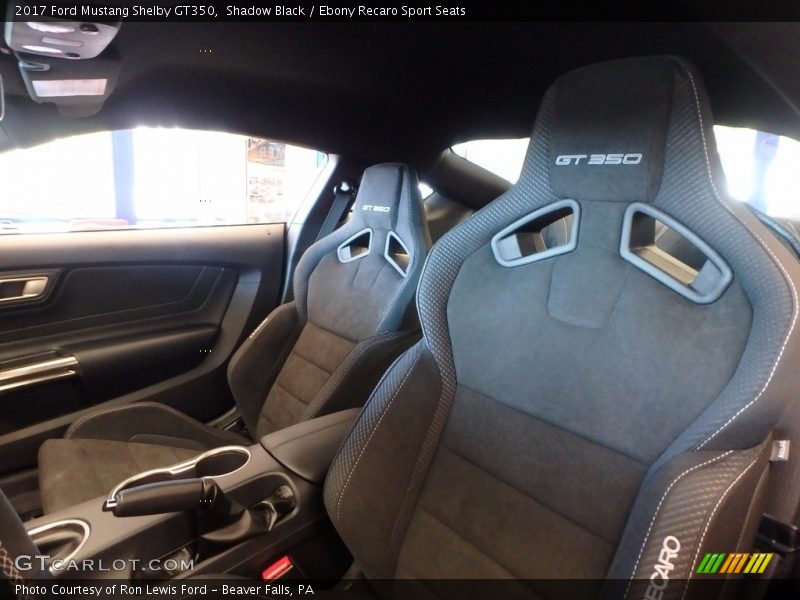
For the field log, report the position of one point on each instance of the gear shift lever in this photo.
(259, 519)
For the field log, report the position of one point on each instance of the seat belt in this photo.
(786, 234)
(343, 196)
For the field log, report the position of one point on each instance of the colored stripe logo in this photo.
(734, 563)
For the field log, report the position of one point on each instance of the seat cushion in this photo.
(72, 471)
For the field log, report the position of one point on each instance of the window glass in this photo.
(760, 168)
(153, 178)
(501, 157)
(425, 190)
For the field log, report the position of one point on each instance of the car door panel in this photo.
(147, 315)
(88, 297)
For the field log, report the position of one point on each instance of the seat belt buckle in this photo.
(278, 569)
(777, 536)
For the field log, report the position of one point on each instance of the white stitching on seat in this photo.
(372, 433)
(7, 565)
(708, 523)
(788, 279)
(658, 508)
(349, 435)
(763, 245)
(260, 327)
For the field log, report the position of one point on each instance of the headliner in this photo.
(401, 91)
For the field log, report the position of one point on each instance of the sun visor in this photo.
(78, 88)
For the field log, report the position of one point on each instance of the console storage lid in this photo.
(307, 449)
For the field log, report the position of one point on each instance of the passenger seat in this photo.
(318, 354)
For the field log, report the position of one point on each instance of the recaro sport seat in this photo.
(321, 353)
(593, 411)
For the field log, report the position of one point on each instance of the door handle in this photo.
(30, 287)
(38, 372)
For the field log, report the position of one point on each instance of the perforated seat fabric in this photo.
(318, 354)
(571, 417)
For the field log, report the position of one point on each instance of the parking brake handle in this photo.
(165, 497)
(221, 520)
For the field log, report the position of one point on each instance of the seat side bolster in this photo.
(151, 420)
(255, 365)
(372, 472)
(695, 501)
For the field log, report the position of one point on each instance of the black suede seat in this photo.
(572, 414)
(321, 353)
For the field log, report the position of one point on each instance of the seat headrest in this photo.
(607, 127)
(383, 190)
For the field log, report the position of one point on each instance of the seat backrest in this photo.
(572, 412)
(352, 290)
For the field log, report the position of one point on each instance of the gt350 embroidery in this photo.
(633, 158)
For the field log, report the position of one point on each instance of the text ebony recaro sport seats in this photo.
(321, 353)
(598, 409)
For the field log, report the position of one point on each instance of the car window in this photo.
(145, 177)
(760, 168)
(501, 157)
(425, 190)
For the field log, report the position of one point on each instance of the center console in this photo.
(229, 510)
